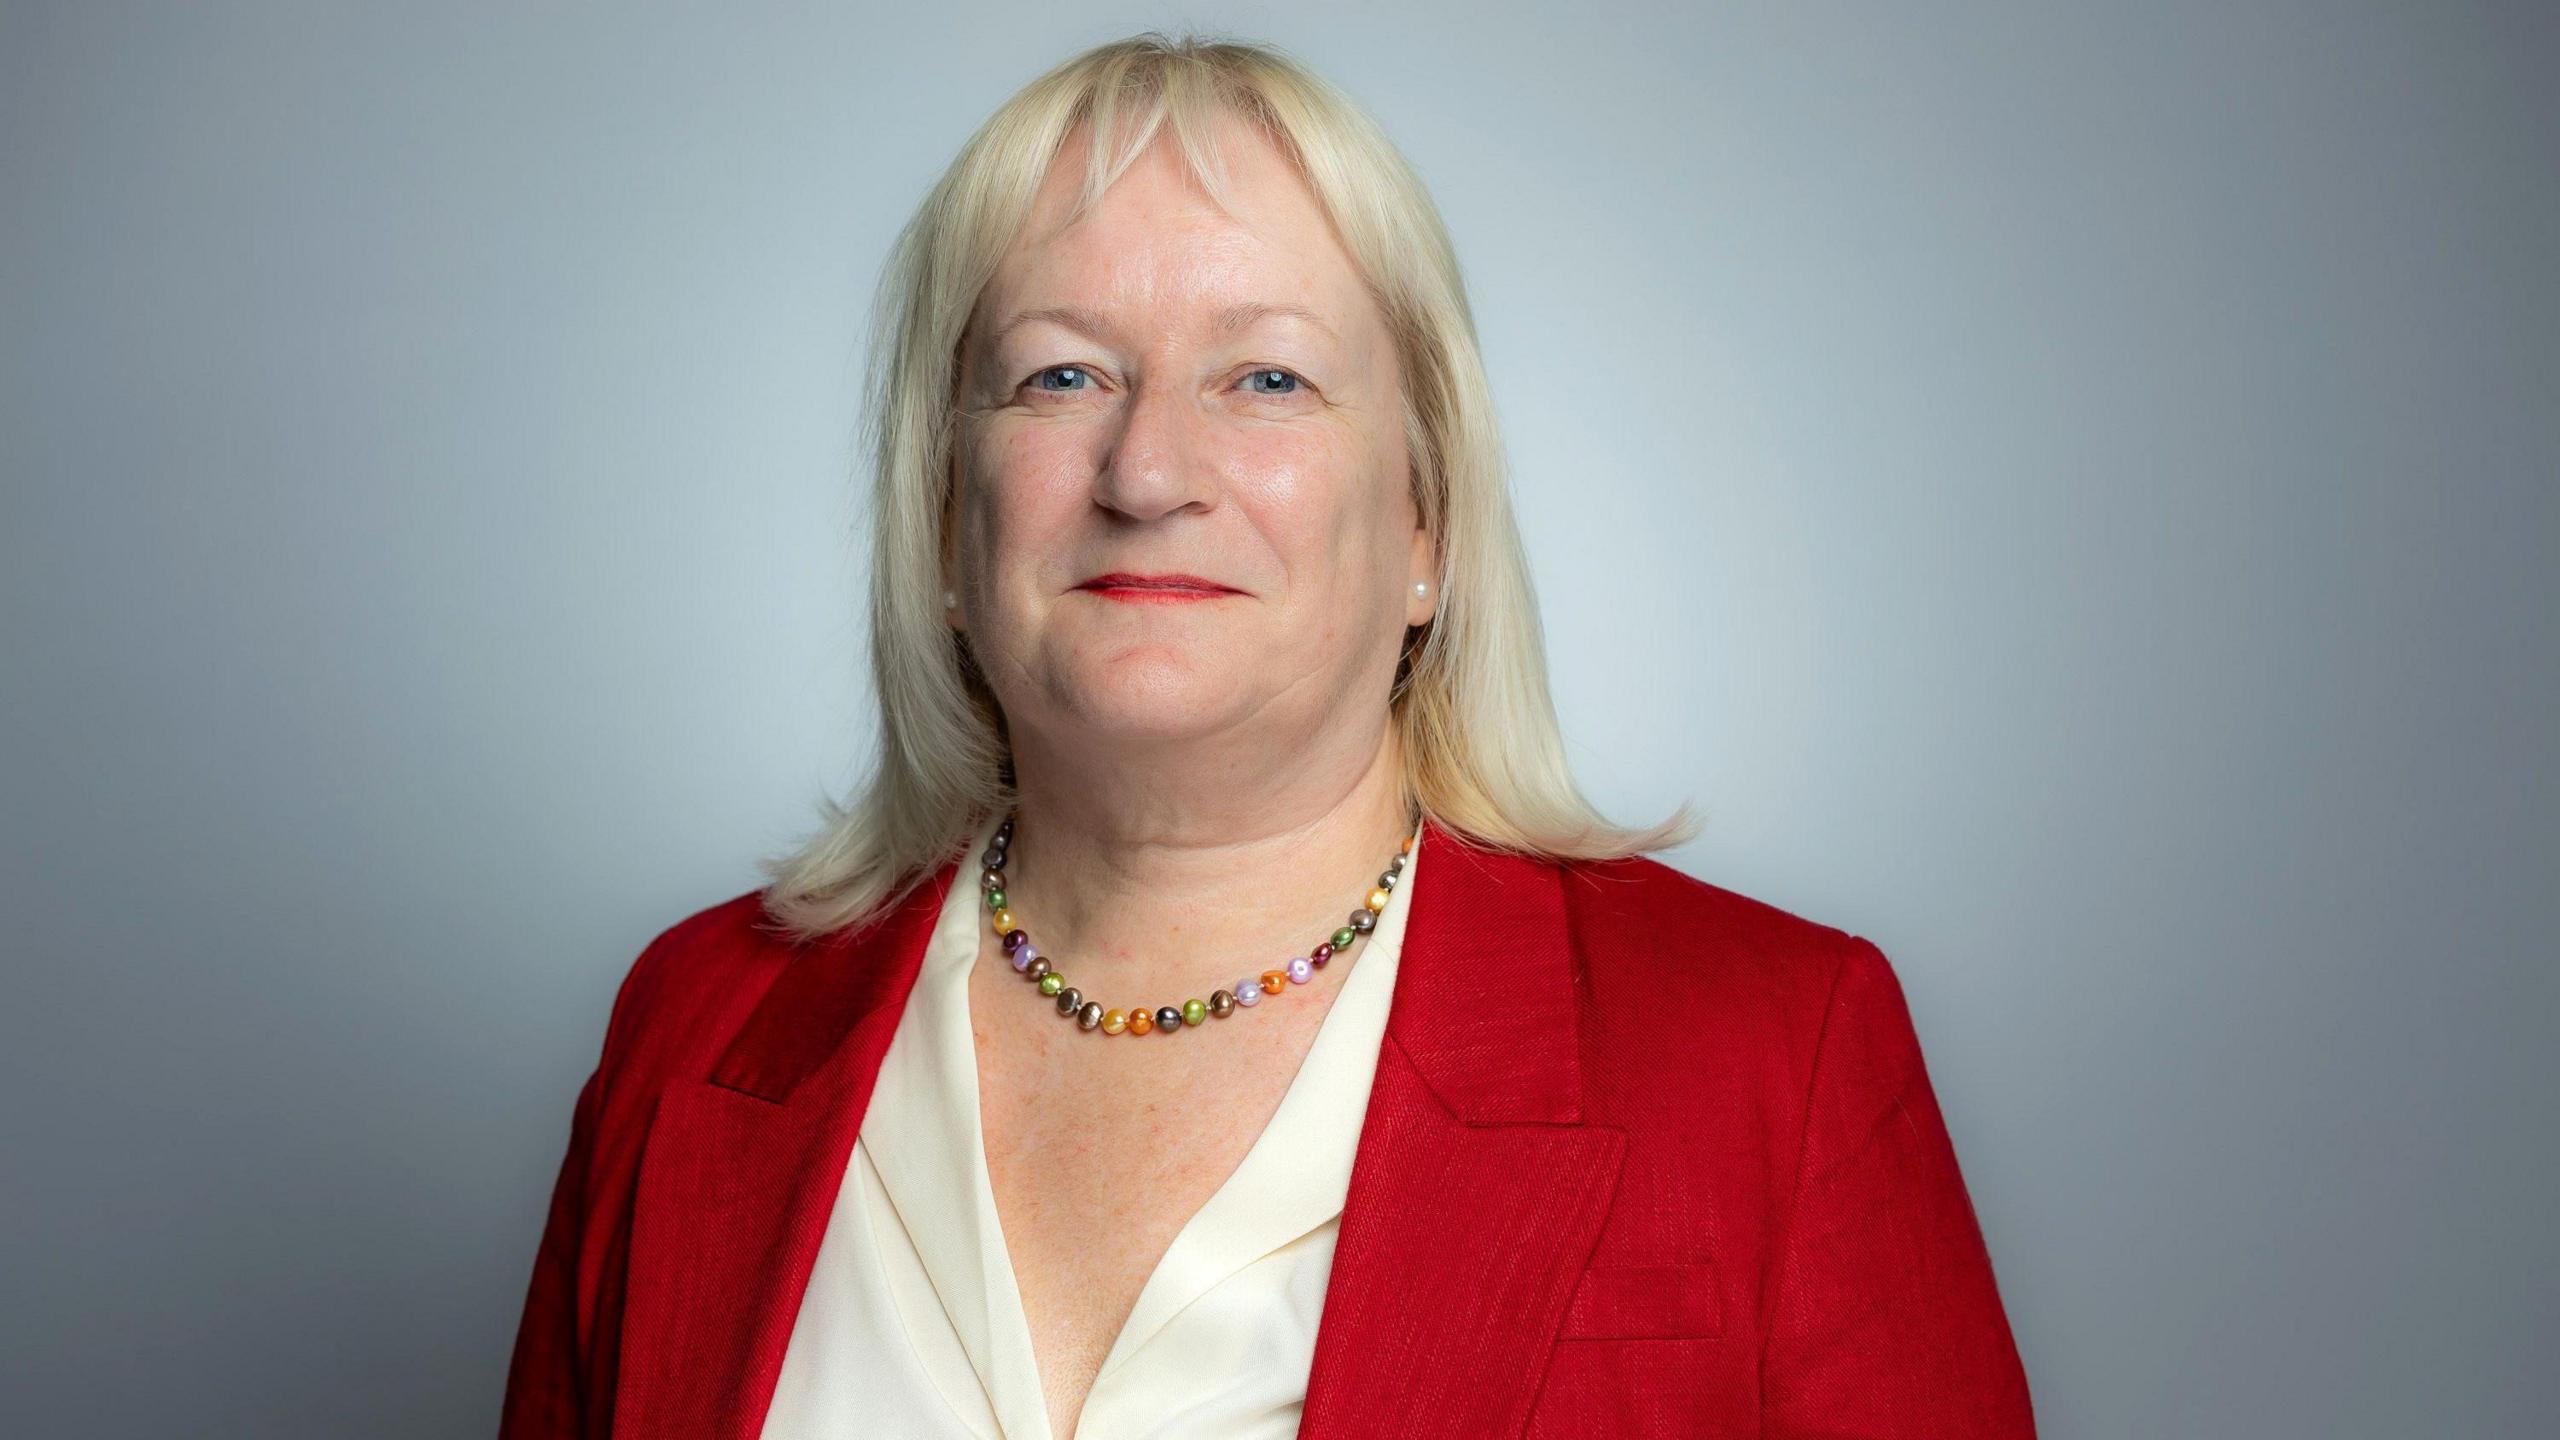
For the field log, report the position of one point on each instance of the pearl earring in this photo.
(950, 599)
(1421, 588)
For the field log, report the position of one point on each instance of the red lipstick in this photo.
(1137, 589)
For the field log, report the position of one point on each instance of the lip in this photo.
(1139, 589)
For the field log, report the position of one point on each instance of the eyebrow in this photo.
(1091, 324)
(1242, 317)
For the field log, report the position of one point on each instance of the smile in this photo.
(1155, 589)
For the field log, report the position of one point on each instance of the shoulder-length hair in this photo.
(1483, 753)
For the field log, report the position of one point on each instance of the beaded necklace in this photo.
(1248, 992)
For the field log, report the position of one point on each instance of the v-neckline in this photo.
(927, 1140)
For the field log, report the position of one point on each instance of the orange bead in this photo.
(1407, 847)
(1274, 982)
(1114, 1021)
(1140, 1022)
(1377, 901)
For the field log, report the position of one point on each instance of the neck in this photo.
(1139, 887)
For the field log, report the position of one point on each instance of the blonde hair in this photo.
(1483, 754)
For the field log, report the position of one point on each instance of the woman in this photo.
(1221, 1015)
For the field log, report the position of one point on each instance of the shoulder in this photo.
(1671, 960)
(693, 986)
(1639, 906)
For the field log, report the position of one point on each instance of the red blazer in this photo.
(1643, 1157)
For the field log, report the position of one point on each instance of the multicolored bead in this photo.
(1250, 991)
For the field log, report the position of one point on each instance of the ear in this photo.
(1423, 564)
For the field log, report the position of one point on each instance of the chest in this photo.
(1101, 1148)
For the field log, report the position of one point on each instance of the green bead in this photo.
(1343, 937)
(995, 899)
(1052, 983)
(1195, 1012)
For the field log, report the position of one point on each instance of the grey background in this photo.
(2070, 491)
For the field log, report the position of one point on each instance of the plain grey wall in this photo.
(2073, 496)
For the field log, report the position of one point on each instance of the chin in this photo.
(1156, 696)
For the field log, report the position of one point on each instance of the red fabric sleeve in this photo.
(546, 1390)
(1885, 1320)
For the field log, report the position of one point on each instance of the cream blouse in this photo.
(912, 1326)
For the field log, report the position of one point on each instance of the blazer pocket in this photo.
(1645, 1302)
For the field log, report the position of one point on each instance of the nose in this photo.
(1158, 461)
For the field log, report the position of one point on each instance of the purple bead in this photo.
(1320, 954)
(1301, 970)
(1013, 938)
(1248, 992)
(1024, 954)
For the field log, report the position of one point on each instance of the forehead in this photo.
(1157, 243)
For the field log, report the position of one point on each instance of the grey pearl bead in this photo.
(1069, 1000)
(1222, 1003)
(1089, 1015)
(1387, 881)
(993, 859)
(1168, 1019)
(1038, 967)
(1364, 920)
(1397, 864)
(990, 879)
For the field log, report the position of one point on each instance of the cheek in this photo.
(1314, 493)
(1025, 482)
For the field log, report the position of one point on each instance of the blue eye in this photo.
(1072, 378)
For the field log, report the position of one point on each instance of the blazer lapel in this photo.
(1477, 1192)
(741, 1172)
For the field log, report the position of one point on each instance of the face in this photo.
(1181, 503)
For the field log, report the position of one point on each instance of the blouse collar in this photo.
(924, 1136)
